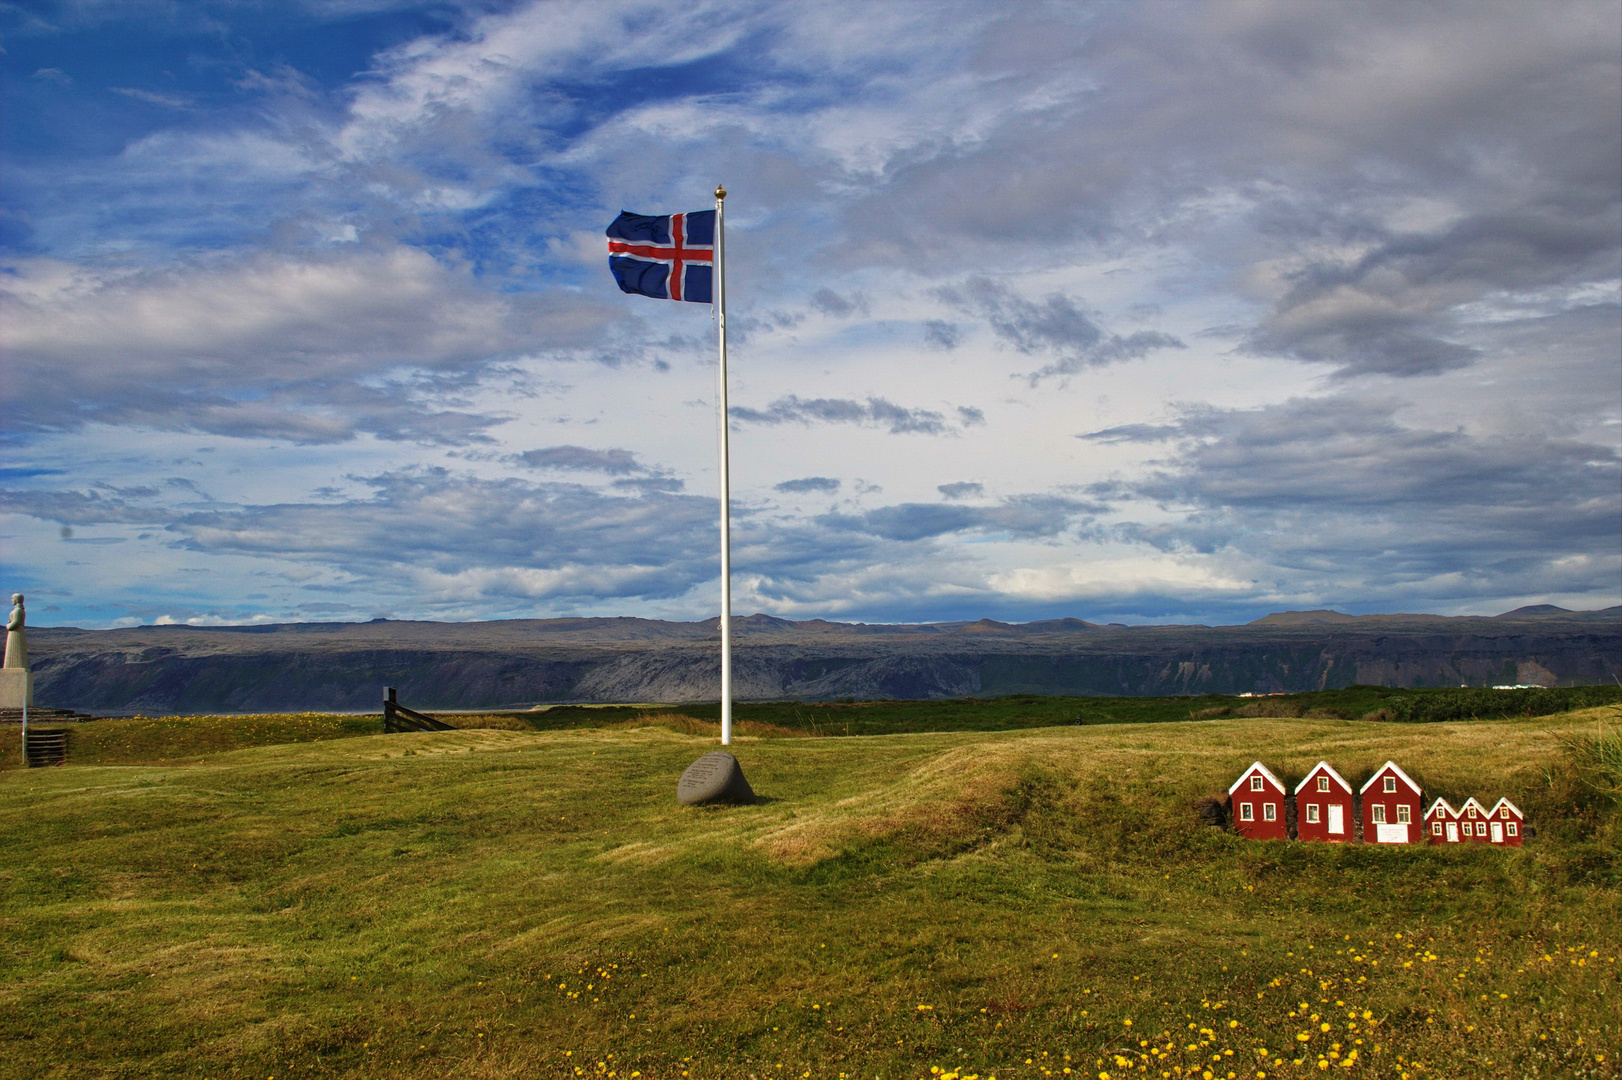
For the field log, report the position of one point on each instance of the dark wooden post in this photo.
(397, 717)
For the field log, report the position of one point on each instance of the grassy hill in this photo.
(292, 896)
(1013, 711)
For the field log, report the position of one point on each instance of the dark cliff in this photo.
(344, 666)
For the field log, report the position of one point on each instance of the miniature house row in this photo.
(1388, 807)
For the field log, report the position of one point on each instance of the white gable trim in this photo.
(1392, 765)
(1468, 803)
(1505, 802)
(1445, 805)
(1265, 771)
(1324, 766)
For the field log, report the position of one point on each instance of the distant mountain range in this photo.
(519, 662)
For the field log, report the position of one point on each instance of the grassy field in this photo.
(282, 897)
(1017, 711)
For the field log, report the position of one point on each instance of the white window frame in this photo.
(1312, 813)
(1379, 814)
(1404, 815)
(1269, 812)
(1247, 812)
(1436, 828)
(1509, 828)
(1323, 783)
(1255, 783)
(1390, 784)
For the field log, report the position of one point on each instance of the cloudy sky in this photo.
(1133, 312)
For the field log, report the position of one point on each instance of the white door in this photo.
(1453, 832)
(1337, 819)
(1497, 832)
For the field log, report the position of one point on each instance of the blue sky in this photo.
(1132, 312)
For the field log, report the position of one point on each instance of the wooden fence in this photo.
(397, 717)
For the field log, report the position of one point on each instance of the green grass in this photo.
(147, 738)
(506, 903)
(1017, 711)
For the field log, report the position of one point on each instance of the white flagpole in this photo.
(726, 466)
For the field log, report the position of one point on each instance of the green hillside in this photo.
(1021, 903)
(1014, 711)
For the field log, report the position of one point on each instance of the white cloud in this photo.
(1349, 271)
(168, 101)
(266, 346)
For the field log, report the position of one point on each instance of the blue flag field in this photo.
(665, 256)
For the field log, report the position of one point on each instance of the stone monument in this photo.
(715, 777)
(16, 683)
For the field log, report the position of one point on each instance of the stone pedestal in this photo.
(16, 688)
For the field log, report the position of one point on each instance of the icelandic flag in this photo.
(669, 256)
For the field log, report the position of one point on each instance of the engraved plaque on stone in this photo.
(715, 777)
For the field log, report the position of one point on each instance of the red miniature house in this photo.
(1256, 802)
(1506, 824)
(1473, 820)
(1323, 806)
(1391, 807)
(1442, 823)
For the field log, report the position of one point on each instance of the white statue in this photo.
(16, 636)
(16, 683)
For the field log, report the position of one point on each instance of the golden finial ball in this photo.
(720, 192)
